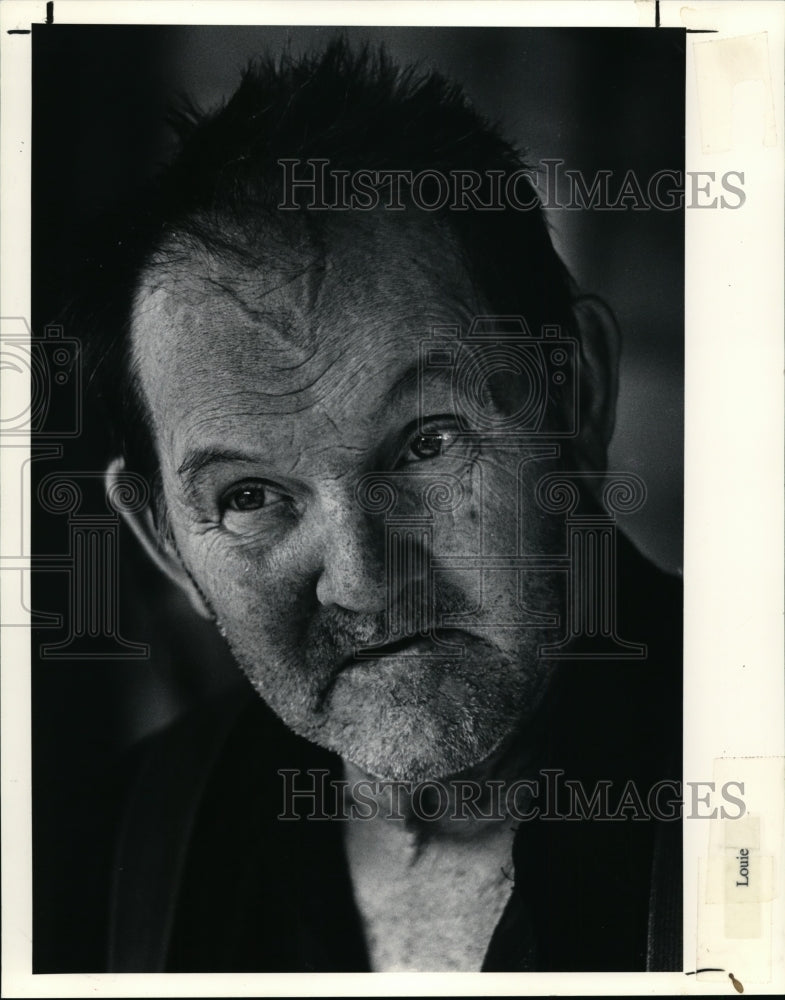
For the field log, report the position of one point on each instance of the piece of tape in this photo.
(741, 878)
(734, 92)
(737, 878)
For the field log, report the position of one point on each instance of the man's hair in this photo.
(360, 111)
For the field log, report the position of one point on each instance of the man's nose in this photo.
(353, 572)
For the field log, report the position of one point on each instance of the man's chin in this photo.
(417, 761)
(409, 717)
(411, 720)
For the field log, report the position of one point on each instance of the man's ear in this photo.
(162, 553)
(599, 381)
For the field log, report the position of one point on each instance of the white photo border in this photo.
(733, 688)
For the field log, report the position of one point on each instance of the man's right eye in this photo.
(250, 496)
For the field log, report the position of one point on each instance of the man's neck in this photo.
(431, 864)
(468, 805)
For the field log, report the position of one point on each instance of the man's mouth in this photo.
(440, 643)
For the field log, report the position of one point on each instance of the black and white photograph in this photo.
(345, 527)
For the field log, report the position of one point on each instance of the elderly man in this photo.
(374, 412)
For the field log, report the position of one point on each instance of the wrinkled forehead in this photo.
(369, 282)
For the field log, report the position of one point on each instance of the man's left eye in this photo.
(427, 445)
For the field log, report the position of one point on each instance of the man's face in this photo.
(273, 391)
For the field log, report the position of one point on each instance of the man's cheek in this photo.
(485, 521)
(514, 519)
(482, 524)
(255, 602)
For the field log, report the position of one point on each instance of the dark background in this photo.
(601, 99)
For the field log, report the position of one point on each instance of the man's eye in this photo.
(250, 496)
(428, 444)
